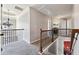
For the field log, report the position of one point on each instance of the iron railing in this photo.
(10, 35)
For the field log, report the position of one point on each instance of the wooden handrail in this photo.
(58, 29)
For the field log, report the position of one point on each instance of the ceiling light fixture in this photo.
(8, 24)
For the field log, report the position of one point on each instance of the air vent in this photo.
(18, 8)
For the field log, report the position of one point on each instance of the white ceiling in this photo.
(55, 9)
(48, 9)
(12, 8)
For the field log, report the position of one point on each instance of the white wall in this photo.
(76, 16)
(76, 26)
(37, 21)
(31, 21)
(0, 29)
(23, 22)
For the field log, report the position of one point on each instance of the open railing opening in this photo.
(11, 35)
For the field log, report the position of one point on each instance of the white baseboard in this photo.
(35, 41)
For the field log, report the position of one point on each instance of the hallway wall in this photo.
(76, 16)
(37, 21)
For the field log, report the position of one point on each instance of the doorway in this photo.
(65, 24)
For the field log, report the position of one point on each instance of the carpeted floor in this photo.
(45, 43)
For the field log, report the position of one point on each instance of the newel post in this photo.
(41, 41)
(52, 34)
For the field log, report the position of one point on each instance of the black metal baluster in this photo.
(11, 35)
(14, 35)
(2, 39)
(8, 37)
(5, 36)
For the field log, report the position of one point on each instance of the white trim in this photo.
(35, 41)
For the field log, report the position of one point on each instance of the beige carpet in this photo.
(45, 43)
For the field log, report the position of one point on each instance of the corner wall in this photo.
(23, 22)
